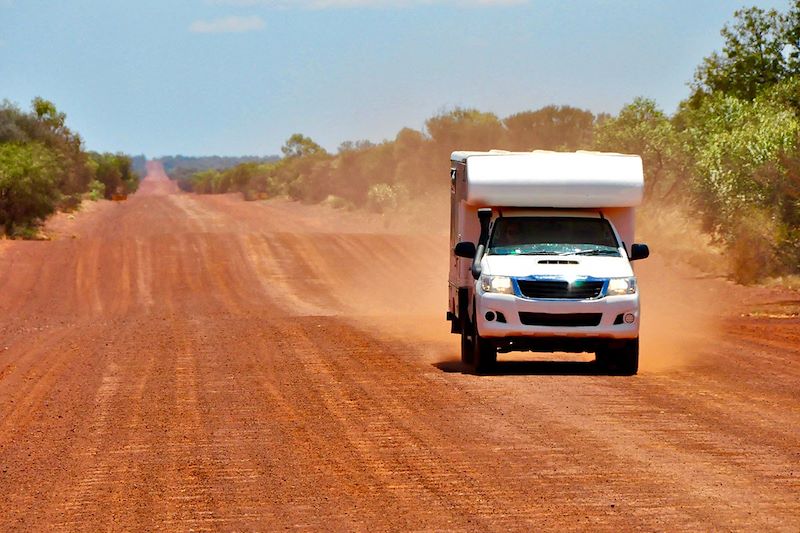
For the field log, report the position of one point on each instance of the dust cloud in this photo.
(681, 313)
(685, 296)
(402, 293)
(387, 274)
(400, 290)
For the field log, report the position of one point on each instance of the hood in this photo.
(520, 266)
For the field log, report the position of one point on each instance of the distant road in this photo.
(187, 362)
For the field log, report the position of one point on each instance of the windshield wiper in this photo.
(539, 253)
(493, 252)
(592, 252)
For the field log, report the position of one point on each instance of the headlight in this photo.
(498, 284)
(620, 286)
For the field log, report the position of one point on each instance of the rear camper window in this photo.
(553, 236)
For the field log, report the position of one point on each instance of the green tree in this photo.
(347, 146)
(205, 182)
(47, 113)
(46, 125)
(791, 32)
(28, 191)
(641, 128)
(465, 129)
(108, 173)
(115, 172)
(753, 56)
(414, 165)
(238, 178)
(298, 145)
(732, 141)
(550, 128)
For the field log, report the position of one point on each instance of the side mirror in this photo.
(465, 250)
(639, 251)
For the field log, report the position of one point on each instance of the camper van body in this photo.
(565, 283)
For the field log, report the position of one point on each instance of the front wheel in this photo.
(484, 353)
(621, 361)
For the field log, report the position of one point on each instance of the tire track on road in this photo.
(196, 363)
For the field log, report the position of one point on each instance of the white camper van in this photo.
(541, 250)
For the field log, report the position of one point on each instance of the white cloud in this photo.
(333, 4)
(230, 24)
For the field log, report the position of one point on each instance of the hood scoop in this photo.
(557, 262)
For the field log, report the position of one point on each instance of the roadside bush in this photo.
(753, 245)
(250, 195)
(788, 248)
(337, 202)
(383, 197)
(115, 172)
(27, 233)
(206, 182)
(238, 178)
(44, 167)
(731, 140)
(97, 190)
(28, 191)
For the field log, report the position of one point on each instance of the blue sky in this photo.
(233, 77)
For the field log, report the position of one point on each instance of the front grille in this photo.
(568, 320)
(577, 290)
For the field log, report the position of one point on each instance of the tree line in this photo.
(730, 152)
(44, 167)
(381, 175)
(188, 164)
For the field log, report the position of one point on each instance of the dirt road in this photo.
(203, 363)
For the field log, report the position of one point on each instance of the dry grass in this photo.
(791, 282)
(776, 310)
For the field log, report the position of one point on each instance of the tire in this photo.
(484, 353)
(622, 361)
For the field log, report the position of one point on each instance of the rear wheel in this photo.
(622, 360)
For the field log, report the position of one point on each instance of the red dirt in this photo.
(202, 363)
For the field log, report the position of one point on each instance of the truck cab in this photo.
(542, 245)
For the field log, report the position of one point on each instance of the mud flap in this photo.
(463, 310)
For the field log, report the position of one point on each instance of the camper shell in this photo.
(554, 291)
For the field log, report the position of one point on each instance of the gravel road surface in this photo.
(184, 362)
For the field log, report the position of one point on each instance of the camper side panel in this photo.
(464, 226)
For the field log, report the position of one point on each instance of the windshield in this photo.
(553, 236)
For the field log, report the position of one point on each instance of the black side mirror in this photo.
(639, 251)
(465, 250)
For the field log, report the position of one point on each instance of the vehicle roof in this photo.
(462, 155)
(552, 179)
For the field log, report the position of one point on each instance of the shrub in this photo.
(337, 202)
(752, 247)
(97, 190)
(28, 191)
(26, 233)
(383, 197)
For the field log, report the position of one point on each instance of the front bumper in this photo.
(511, 306)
